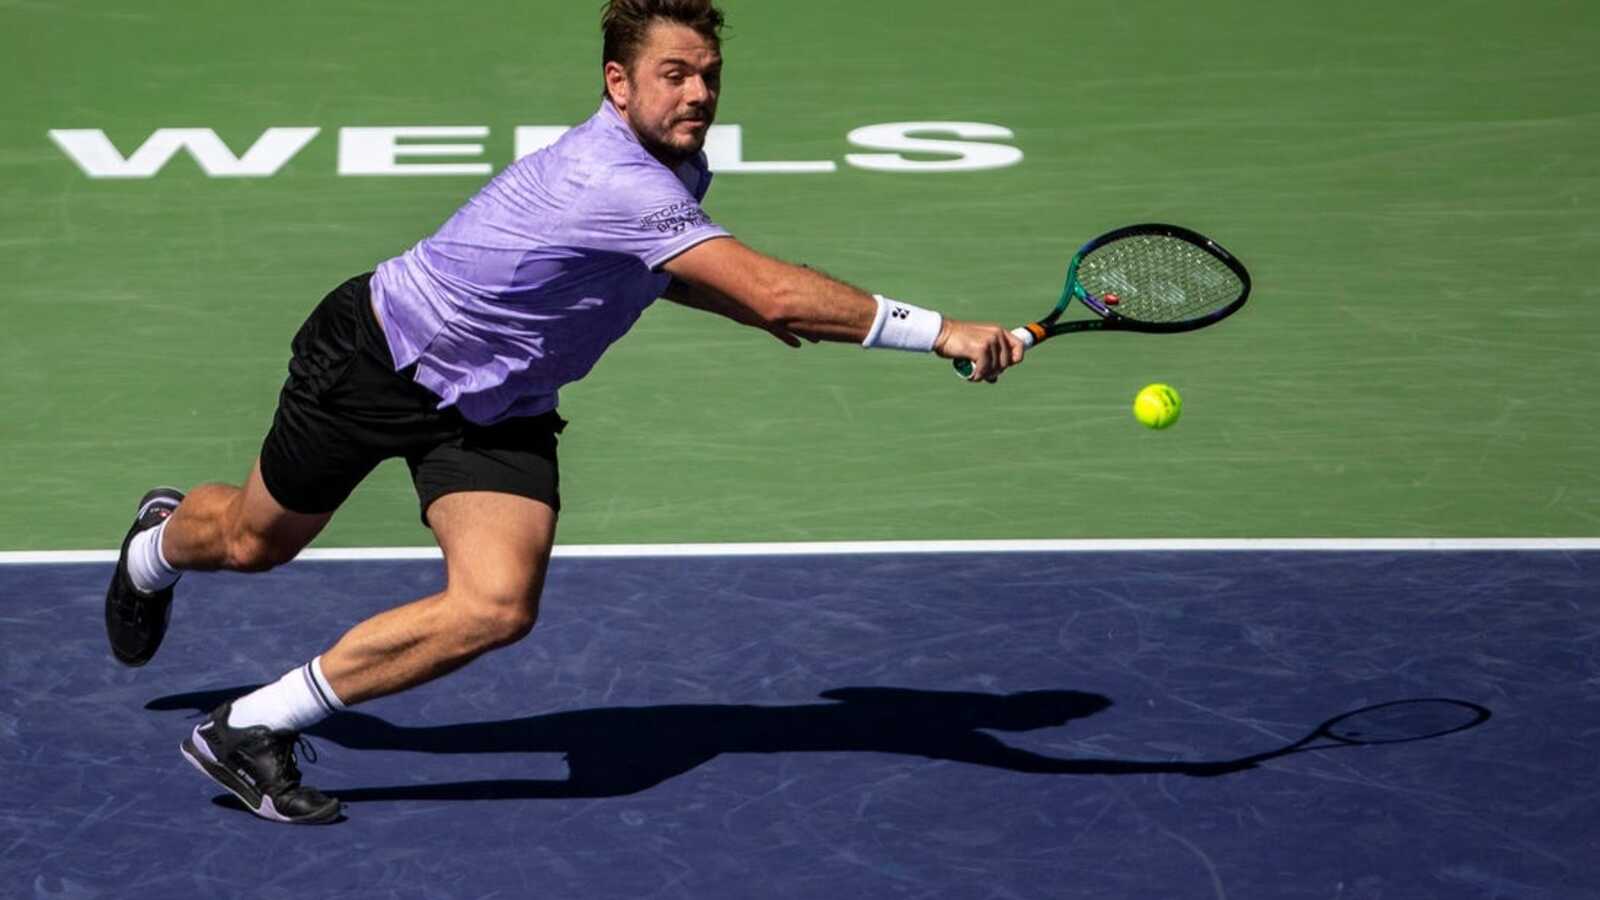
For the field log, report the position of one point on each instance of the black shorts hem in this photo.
(285, 495)
(427, 500)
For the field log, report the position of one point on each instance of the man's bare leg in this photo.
(496, 550)
(219, 526)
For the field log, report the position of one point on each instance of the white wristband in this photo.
(901, 326)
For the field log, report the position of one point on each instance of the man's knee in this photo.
(507, 625)
(259, 533)
(499, 613)
(496, 549)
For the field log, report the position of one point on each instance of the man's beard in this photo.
(675, 154)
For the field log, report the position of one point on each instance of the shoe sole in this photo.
(256, 802)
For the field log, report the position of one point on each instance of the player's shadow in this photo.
(612, 751)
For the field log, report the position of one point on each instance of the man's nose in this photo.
(696, 91)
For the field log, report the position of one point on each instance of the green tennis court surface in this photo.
(1415, 189)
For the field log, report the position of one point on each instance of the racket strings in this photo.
(1158, 278)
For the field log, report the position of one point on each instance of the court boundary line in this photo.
(858, 548)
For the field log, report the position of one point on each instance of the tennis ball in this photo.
(1157, 406)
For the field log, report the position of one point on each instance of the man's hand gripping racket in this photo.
(1156, 279)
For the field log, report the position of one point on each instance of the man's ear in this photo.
(617, 84)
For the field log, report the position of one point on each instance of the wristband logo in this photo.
(900, 312)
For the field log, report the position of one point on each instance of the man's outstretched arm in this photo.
(724, 276)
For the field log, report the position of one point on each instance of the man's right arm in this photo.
(785, 298)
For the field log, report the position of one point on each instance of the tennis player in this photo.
(451, 356)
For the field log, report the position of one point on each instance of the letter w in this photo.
(94, 154)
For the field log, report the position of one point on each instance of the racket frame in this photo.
(1108, 319)
(1477, 714)
(1327, 732)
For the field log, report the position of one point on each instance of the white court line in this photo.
(830, 548)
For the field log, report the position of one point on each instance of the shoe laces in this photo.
(131, 606)
(284, 754)
(129, 609)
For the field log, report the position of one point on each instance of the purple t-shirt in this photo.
(527, 284)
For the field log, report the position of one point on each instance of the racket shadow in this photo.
(616, 751)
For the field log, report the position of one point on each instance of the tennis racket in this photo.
(1156, 279)
(1396, 722)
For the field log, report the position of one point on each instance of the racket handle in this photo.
(963, 367)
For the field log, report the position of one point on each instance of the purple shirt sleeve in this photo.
(646, 212)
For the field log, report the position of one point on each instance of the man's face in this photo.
(670, 96)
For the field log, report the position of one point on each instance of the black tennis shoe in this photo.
(135, 621)
(258, 766)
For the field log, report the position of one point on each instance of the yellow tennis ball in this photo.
(1157, 406)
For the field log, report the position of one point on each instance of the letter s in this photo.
(970, 156)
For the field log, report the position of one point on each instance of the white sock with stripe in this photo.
(147, 568)
(294, 702)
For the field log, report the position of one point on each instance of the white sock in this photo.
(294, 702)
(147, 568)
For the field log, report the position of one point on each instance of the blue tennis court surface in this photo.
(968, 725)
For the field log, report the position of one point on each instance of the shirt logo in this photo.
(675, 219)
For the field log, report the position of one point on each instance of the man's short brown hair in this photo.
(626, 22)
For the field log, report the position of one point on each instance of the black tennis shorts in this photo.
(344, 409)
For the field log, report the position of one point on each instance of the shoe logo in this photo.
(246, 776)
